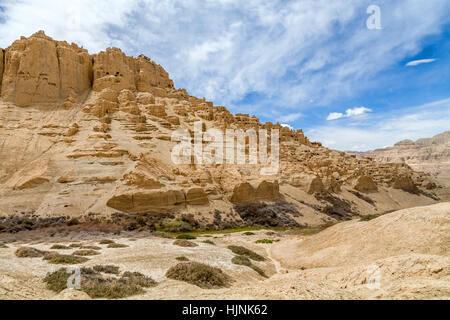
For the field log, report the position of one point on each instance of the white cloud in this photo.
(289, 117)
(335, 116)
(387, 129)
(350, 113)
(224, 50)
(419, 62)
(287, 126)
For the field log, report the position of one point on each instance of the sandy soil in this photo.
(409, 250)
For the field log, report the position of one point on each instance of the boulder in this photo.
(243, 193)
(269, 191)
(404, 183)
(150, 201)
(365, 184)
(196, 196)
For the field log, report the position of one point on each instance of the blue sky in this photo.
(310, 64)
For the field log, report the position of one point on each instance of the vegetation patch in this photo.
(55, 258)
(209, 242)
(75, 245)
(3, 246)
(185, 243)
(59, 247)
(91, 247)
(182, 259)
(249, 233)
(266, 241)
(29, 252)
(241, 251)
(85, 253)
(186, 237)
(369, 217)
(117, 245)
(244, 261)
(199, 274)
(278, 214)
(97, 285)
(106, 241)
(107, 269)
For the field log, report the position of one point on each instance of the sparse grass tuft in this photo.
(185, 243)
(99, 286)
(84, 253)
(369, 217)
(106, 241)
(59, 247)
(266, 241)
(249, 233)
(29, 252)
(186, 237)
(182, 259)
(117, 245)
(91, 247)
(209, 242)
(75, 245)
(107, 269)
(55, 258)
(244, 261)
(199, 274)
(246, 252)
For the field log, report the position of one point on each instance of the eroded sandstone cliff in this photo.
(88, 135)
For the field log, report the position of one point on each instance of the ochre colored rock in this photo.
(404, 183)
(243, 193)
(40, 70)
(1, 68)
(196, 196)
(268, 191)
(151, 201)
(315, 185)
(365, 184)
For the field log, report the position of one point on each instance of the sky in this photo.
(309, 64)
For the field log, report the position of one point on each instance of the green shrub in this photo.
(265, 241)
(244, 261)
(55, 258)
(248, 233)
(107, 269)
(59, 247)
(246, 252)
(29, 252)
(182, 259)
(185, 243)
(106, 241)
(186, 237)
(199, 274)
(84, 253)
(117, 245)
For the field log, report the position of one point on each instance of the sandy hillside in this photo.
(407, 250)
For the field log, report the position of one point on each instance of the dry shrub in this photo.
(55, 258)
(185, 243)
(199, 274)
(117, 245)
(85, 253)
(241, 251)
(107, 269)
(29, 252)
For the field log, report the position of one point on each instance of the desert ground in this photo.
(407, 252)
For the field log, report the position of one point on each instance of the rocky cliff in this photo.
(90, 136)
(431, 155)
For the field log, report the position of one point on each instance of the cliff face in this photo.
(431, 155)
(91, 134)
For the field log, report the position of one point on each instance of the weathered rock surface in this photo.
(91, 134)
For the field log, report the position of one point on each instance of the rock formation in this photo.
(89, 134)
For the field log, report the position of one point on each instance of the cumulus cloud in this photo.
(350, 113)
(387, 129)
(223, 50)
(415, 63)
